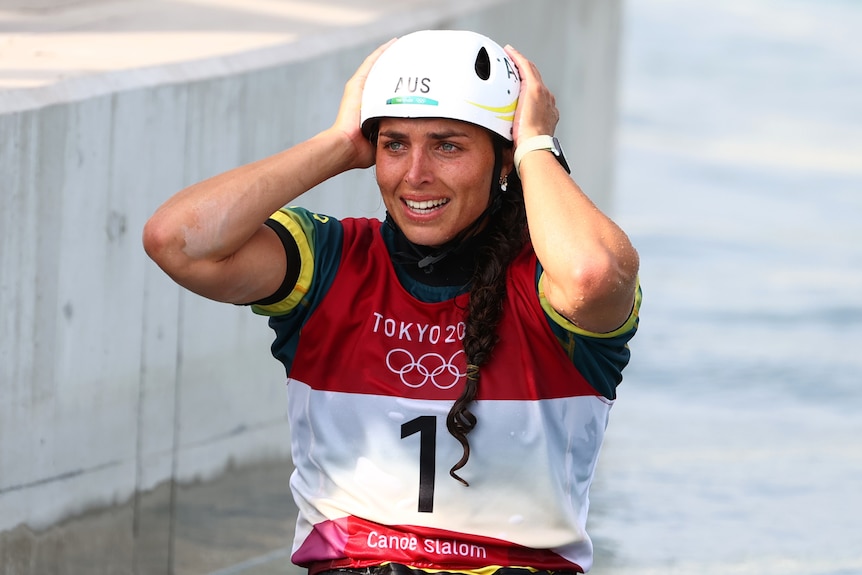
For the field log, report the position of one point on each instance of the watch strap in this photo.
(543, 142)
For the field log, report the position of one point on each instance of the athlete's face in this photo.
(434, 175)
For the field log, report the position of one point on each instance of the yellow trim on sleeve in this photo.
(566, 324)
(306, 270)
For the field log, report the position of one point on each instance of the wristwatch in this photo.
(549, 143)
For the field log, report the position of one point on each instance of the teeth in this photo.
(425, 205)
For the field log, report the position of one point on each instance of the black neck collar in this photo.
(452, 264)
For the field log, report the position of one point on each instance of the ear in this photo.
(508, 161)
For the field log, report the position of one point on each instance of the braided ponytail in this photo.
(507, 237)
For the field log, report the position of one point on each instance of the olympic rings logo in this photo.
(415, 373)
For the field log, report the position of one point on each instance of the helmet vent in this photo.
(483, 64)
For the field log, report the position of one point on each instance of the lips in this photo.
(426, 206)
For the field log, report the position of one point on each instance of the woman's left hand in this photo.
(537, 112)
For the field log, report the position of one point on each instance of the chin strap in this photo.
(427, 263)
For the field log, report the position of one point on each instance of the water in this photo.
(736, 446)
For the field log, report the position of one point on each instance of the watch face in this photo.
(558, 151)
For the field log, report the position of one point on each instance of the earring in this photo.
(504, 183)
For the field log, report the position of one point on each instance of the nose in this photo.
(419, 170)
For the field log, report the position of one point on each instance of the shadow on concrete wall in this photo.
(240, 523)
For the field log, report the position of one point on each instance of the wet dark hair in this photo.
(507, 235)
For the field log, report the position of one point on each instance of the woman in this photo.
(483, 325)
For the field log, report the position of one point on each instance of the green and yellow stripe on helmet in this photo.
(505, 113)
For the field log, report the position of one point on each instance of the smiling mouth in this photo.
(425, 207)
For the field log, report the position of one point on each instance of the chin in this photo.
(424, 237)
(425, 240)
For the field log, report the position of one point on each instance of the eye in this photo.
(448, 147)
(393, 146)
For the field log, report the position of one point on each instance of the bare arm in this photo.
(590, 265)
(211, 238)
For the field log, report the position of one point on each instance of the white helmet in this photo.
(443, 74)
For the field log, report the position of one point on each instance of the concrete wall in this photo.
(112, 379)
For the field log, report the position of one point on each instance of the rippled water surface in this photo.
(736, 445)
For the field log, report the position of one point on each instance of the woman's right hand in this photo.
(347, 120)
(211, 237)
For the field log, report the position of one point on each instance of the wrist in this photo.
(341, 151)
(539, 143)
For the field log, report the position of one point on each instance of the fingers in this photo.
(352, 97)
(527, 69)
(347, 119)
(537, 110)
(365, 67)
(355, 85)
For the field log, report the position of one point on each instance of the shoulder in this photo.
(626, 330)
(308, 227)
(319, 239)
(600, 357)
